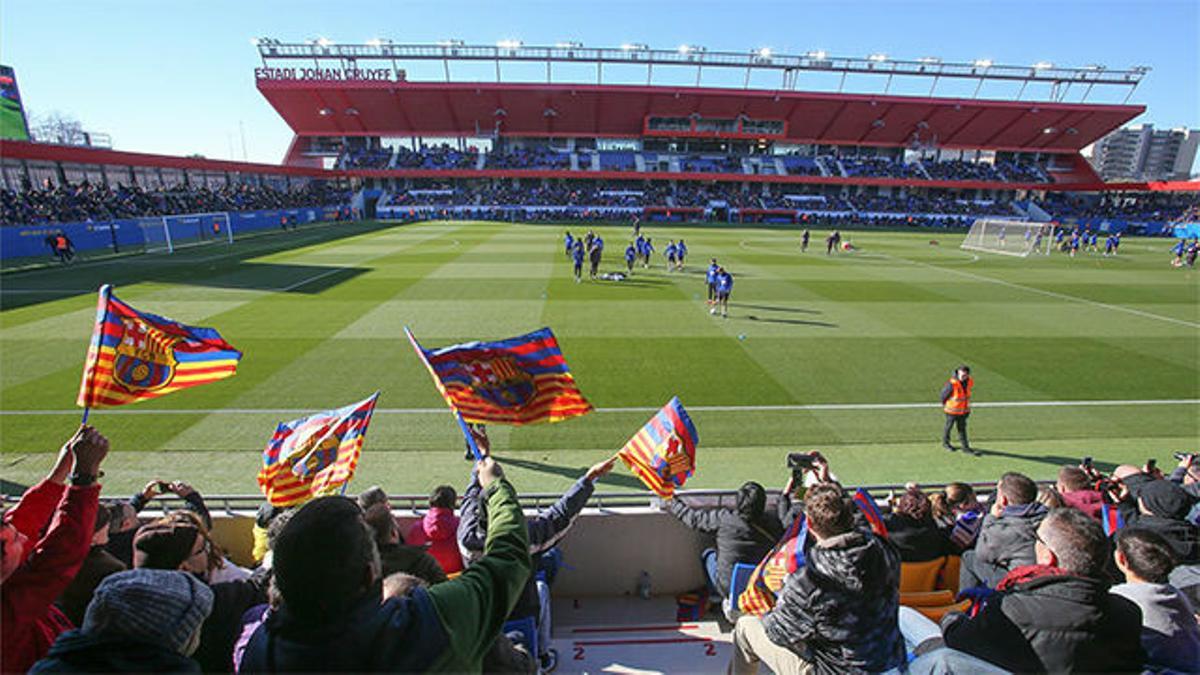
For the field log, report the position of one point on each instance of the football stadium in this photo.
(606, 358)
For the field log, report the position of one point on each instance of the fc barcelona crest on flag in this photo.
(502, 382)
(145, 358)
(663, 452)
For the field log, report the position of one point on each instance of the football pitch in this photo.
(844, 353)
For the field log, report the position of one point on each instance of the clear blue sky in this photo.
(176, 77)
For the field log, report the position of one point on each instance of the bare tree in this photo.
(57, 127)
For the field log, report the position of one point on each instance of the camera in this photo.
(798, 463)
(1184, 456)
(1086, 463)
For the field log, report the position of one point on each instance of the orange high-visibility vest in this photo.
(959, 402)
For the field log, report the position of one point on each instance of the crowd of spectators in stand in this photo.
(528, 158)
(956, 169)
(366, 158)
(1045, 585)
(880, 166)
(1144, 206)
(445, 157)
(711, 164)
(436, 157)
(912, 203)
(774, 201)
(94, 202)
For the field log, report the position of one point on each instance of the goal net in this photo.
(1009, 237)
(167, 233)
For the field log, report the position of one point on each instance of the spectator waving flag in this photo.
(135, 356)
(663, 453)
(522, 380)
(314, 455)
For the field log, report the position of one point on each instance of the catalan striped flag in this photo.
(871, 512)
(314, 455)
(785, 559)
(522, 380)
(135, 356)
(663, 453)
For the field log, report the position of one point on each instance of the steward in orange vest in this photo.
(956, 403)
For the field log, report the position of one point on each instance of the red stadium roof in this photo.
(321, 108)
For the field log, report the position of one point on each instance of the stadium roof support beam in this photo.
(277, 53)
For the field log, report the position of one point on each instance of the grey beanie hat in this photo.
(161, 606)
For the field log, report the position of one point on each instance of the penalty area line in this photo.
(640, 409)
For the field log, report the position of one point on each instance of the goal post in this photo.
(1009, 237)
(168, 233)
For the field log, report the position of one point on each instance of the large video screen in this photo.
(12, 113)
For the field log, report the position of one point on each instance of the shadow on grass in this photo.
(1053, 460)
(769, 308)
(793, 322)
(214, 266)
(571, 472)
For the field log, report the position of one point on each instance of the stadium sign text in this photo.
(330, 74)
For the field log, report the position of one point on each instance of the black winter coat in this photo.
(917, 541)
(1007, 542)
(841, 612)
(1056, 624)
(1183, 537)
(738, 541)
(78, 652)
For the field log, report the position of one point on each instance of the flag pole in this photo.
(93, 355)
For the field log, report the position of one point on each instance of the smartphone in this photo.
(1151, 464)
(1087, 462)
(164, 486)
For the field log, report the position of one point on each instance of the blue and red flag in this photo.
(663, 453)
(314, 455)
(785, 559)
(1111, 519)
(522, 380)
(870, 511)
(134, 356)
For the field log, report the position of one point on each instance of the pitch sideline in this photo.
(634, 409)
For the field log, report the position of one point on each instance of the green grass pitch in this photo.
(319, 314)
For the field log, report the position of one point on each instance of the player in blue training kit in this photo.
(577, 256)
(710, 280)
(568, 243)
(1092, 246)
(670, 254)
(680, 253)
(630, 256)
(649, 252)
(724, 288)
(1110, 245)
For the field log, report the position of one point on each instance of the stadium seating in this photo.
(86, 201)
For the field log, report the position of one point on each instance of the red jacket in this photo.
(439, 530)
(29, 618)
(1088, 501)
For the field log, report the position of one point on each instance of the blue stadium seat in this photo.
(527, 627)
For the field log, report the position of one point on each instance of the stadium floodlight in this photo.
(983, 63)
(684, 49)
(818, 55)
(568, 45)
(929, 59)
(254, 41)
(764, 53)
(1042, 65)
(877, 58)
(375, 42)
(509, 44)
(451, 43)
(1095, 66)
(634, 46)
(324, 42)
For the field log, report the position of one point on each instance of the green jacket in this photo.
(473, 607)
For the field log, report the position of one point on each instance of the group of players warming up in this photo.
(955, 394)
